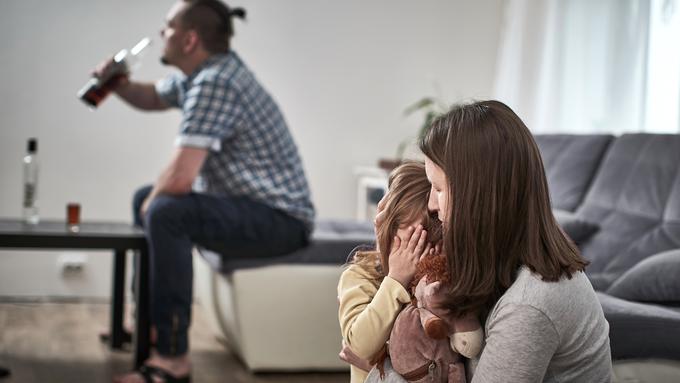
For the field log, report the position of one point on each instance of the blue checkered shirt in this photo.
(251, 151)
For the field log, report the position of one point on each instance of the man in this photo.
(235, 183)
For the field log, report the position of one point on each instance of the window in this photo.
(662, 99)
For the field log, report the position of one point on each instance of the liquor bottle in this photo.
(31, 168)
(124, 62)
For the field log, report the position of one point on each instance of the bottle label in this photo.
(29, 195)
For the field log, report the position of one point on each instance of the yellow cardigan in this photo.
(367, 312)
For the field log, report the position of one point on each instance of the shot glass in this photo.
(73, 217)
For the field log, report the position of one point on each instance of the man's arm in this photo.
(180, 174)
(140, 95)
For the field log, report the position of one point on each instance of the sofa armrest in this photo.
(655, 279)
(641, 330)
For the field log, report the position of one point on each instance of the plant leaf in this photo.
(429, 118)
(402, 148)
(423, 103)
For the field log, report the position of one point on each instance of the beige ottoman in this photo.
(282, 313)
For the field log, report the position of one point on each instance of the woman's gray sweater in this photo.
(545, 332)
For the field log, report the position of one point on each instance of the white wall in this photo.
(342, 71)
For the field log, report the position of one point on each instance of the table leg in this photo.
(143, 323)
(117, 299)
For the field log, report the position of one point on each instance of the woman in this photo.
(507, 256)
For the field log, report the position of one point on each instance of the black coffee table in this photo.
(118, 237)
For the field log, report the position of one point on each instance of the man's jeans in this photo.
(233, 227)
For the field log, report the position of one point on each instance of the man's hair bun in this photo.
(238, 12)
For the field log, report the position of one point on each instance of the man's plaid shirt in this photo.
(251, 151)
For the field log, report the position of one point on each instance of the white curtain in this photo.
(576, 66)
(662, 108)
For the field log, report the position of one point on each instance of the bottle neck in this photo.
(133, 56)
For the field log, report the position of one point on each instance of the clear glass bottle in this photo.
(124, 62)
(31, 167)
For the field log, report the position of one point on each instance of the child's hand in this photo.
(348, 356)
(406, 254)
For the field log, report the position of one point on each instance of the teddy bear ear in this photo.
(419, 288)
(427, 290)
(436, 328)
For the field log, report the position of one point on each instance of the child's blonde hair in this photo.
(405, 203)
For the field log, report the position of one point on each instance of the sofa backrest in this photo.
(570, 163)
(635, 200)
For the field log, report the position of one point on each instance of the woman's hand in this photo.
(406, 253)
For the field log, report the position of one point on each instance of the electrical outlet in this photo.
(72, 263)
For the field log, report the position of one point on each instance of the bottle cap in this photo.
(32, 145)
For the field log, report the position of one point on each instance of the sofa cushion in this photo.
(639, 330)
(332, 241)
(635, 199)
(577, 228)
(655, 279)
(570, 163)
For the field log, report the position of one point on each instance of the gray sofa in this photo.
(623, 194)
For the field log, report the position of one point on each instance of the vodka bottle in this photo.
(31, 168)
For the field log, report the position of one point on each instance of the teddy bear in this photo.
(428, 341)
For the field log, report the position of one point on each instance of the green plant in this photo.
(432, 108)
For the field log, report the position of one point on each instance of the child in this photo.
(374, 288)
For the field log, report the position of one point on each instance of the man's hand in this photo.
(177, 178)
(107, 68)
(141, 95)
(145, 206)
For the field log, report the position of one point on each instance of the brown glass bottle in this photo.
(95, 91)
(97, 88)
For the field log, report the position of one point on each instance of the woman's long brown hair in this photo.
(499, 214)
(405, 203)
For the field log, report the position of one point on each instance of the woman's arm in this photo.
(520, 343)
